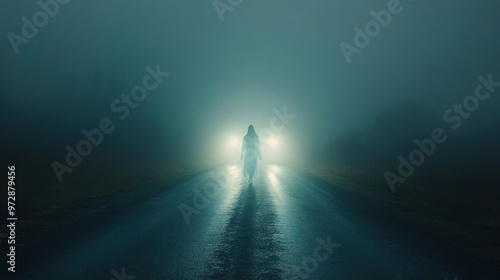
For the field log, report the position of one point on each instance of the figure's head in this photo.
(251, 130)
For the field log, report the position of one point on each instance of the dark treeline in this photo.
(464, 168)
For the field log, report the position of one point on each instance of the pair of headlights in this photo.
(236, 142)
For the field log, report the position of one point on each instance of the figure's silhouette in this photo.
(250, 150)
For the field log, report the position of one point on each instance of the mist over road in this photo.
(116, 112)
(284, 226)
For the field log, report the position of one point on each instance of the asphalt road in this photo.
(284, 226)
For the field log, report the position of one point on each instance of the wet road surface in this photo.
(217, 226)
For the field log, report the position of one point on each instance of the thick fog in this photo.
(299, 71)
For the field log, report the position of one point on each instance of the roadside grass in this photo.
(93, 185)
(469, 227)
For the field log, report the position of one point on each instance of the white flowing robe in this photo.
(250, 152)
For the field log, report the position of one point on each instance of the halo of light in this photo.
(233, 142)
(273, 142)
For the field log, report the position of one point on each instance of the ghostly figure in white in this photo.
(250, 150)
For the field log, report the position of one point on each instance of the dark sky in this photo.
(225, 75)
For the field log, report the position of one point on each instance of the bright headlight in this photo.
(273, 142)
(234, 142)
